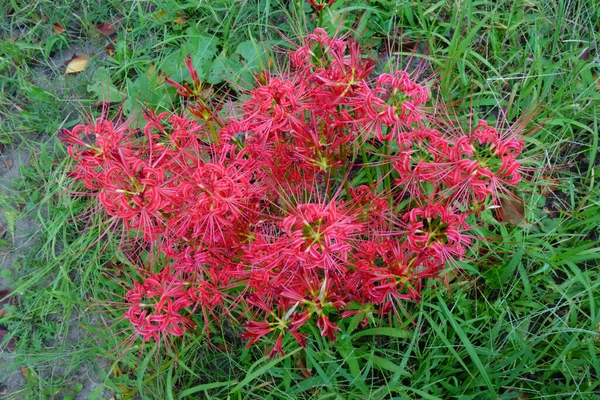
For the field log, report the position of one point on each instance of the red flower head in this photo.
(484, 163)
(437, 231)
(319, 5)
(395, 104)
(275, 107)
(320, 234)
(157, 305)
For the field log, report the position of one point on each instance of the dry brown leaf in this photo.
(3, 293)
(179, 20)
(106, 28)
(25, 372)
(160, 14)
(512, 210)
(110, 49)
(10, 345)
(221, 347)
(41, 18)
(9, 163)
(303, 370)
(550, 185)
(77, 64)
(150, 71)
(117, 371)
(58, 28)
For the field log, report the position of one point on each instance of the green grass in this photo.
(523, 321)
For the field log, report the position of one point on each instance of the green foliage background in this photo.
(522, 322)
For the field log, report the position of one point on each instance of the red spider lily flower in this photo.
(300, 338)
(190, 256)
(484, 164)
(260, 212)
(136, 196)
(311, 290)
(298, 320)
(437, 231)
(318, 36)
(205, 297)
(319, 5)
(212, 199)
(346, 74)
(320, 145)
(396, 273)
(327, 327)
(205, 294)
(275, 107)
(185, 90)
(193, 73)
(422, 157)
(278, 347)
(502, 145)
(94, 147)
(394, 104)
(176, 132)
(373, 209)
(156, 306)
(320, 233)
(254, 330)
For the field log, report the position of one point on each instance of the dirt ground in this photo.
(24, 232)
(21, 236)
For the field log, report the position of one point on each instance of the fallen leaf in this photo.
(550, 186)
(117, 371)
(160, 78)
(9, 163)
(179, 20)
(25, 372)
(110, 49)
(4, 299)
(77, 64)
(160, 14)
(106, 28)
(512, 210)
(221, 347)
(41, 18)
(585, 54)
(10, 345)
(303, 370)
(58, 28)
(151, 70)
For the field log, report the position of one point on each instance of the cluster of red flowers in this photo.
(268, 216)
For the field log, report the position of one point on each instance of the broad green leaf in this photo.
(103, 87)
